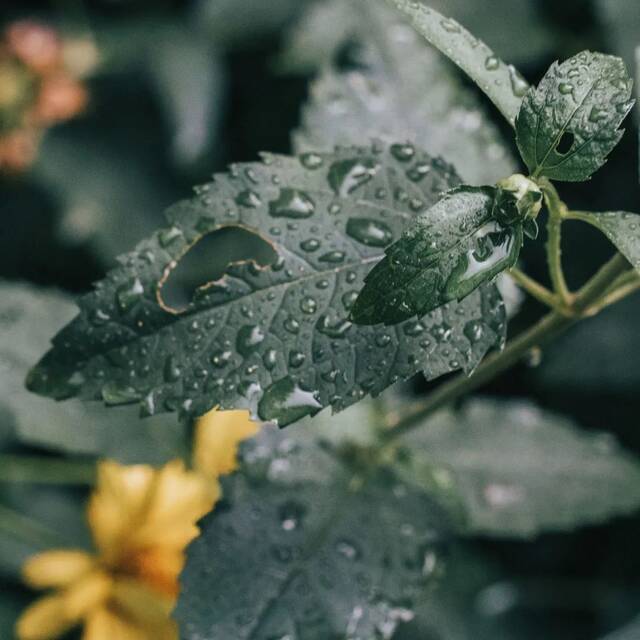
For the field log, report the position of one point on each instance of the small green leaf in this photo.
(448, 251)
(514, 470)
(297, 545)
(402, 90)
(28, 318)
(570, 123)
(502, 83)
(622, 228)
(274, 339)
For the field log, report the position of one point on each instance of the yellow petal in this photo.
(46, 619)
(216, 439)
(180, 498)
(56, 568)
(118, 504)
(104, 624)
(87, 594)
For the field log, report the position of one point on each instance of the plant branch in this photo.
(541, 333)
(533, 288)
(557, 213)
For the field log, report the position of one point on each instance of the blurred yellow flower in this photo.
(141, 520)
(216, 439)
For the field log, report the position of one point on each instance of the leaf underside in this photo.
(579, 104)
(500, 82)
(298, 551)
(275, 340)
(445, 254)
(399, 89)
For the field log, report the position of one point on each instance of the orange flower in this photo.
(141, 520)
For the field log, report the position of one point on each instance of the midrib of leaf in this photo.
(502, 96)
(562, 131)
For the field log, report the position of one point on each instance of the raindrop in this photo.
(291, 514)
(220, 359)
(167, 237)
(311, 160)
(249, 339)
(492, 63)
(334, 328)
(369, 232)
(308, 305)
(114, 393)
(333, 257)
(129, 294)
(519, 85)
(296, 359)
(450, 26)
(270, 359)
(310, 245)
(345, 176)
(403, 152)
(172, 371)
(473, 330)
(292, 325)
(292, 203)
(565, 88)
(249, 199)
(285, 402)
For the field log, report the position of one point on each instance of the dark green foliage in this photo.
(464, 240)
(569, 124)
(277, 339)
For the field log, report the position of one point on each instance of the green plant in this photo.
(299, 332)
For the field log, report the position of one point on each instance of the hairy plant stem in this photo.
(541, 333)
(557, 213)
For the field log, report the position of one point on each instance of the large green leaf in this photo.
(28, 318)
(502, 83)
(570, 123)
(515, 470)
(622, 228)
(445, 254)
(274, 339)
(307, 545)
(401, 89)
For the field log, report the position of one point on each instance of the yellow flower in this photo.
(217, 436)
(141, 520)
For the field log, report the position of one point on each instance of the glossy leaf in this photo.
(296, 549)
(517, 471)
(622, 228)
(399, 88)
(28, 318)
(570, 123)
(274, 339)
(502, 83)
(446, 253)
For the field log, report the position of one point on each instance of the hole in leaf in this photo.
(566, 142)
(207, 261)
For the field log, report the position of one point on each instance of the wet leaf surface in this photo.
(514, 470)
(445, 254)
(570, 123)
(290, 556)
(276, 340)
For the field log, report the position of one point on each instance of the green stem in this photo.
(40, 470)
(533, 288)
(23, 528)
(557, 213)
(545, 330)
